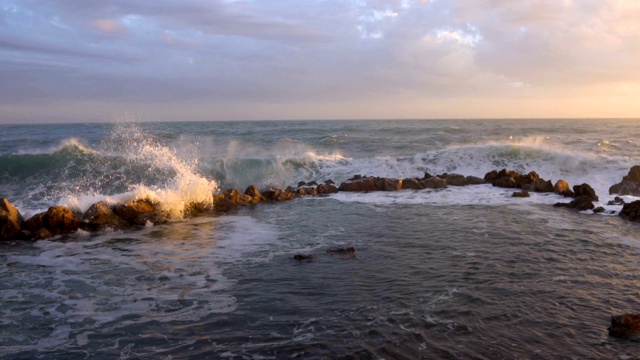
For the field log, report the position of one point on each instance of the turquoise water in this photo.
(455, 273)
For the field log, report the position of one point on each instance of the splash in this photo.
(153, 171)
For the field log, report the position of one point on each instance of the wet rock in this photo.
(625, 326)
(301, 257)
(454, 179)
(387, 184)
(11, 222)
(585, 190)
(562, 188)
(598, 210)
(434, 183)
(326, 189)
(427, 176)
(58, 220)
(356, 177)
(630, 184)
(312, 183)
(474, 180)
(412, 183)
(631, 211)
(521, 194)
(278, 195)
(616, 201)
(138, 212)
(510, 179)
(302, 191)
(100, 216)
(540, 185)
(359, 185)
(302, 183)
(349, 251)
(330, 182)
(580, 203)
(253, 192)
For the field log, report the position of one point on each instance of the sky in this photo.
(167, 60)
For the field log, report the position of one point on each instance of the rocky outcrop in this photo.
(585, 190)
(100, 216)
(631, 211)
(58, 220)
(301, 257)
(630, 184)
(625, 326)
(11, 222)
(510, 179)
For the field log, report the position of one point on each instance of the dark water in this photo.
(461, 273)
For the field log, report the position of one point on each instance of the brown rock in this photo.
(387, 184)
(454, 179)
(36, 222)
(585, 190)
(561, 187)
(631, 211)
(326, 188)
(278, 195)
(412, 183)
(360, 185)
(630, 184)
(474, 180)
(434, 183)
(510, 179)
(11, 222)
(62, 220)
(580, 203)
(303, 257)
(539, 186)
(521, 194)
(627, 325)
(254, 193)
(139, 212)
(100, 216)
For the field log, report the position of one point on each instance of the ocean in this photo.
(457, 273)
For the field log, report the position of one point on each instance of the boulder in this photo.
(625, 326)
(616, 201)
(631, 211)
(326, 188)
(585, 190)
(330, 182)
(510, 179)
(562, 188)
(630, 184)
(139, 212)
(412, 183)
(100, 216)
(580, 203)
(540, 185)
(434, 183)
(312, 183)
(253, 192)
(278, 195)
(474, 180)
(11, 222)
(359, 185)
(599, 210)
(387, 184)
(454, 179)
(58, 220)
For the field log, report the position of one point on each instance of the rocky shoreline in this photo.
(59, 220)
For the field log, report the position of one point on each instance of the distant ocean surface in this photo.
(459, 273)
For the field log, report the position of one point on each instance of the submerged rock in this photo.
(616, 201)
(521, 194)
(349, 251)
(626, 325)
(300, 257)
(11, 222)
(630, 184)
(580, 203)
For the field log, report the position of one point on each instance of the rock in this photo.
(598, 210)
(139, 212)
(454, 179)
(312, 183)
(360, 185)
(326, 189)
(253, 192)
(580, 203)
(302, 191)
(278, 195)
(387, 184)
(356, 177)
(330, 182)
(627, 325)
(350, 251)
(412, 183)
(11, 222)
(100, 216)
(300, 257)
(521, 194)
(630, 184)
(585, 190)
(539, 186)
(427, 176)
(616, 201)
(58, 220)
(434, 183)
(631, 211)
(301, 183)
(560, 187)
(474, 180)
(510, 179)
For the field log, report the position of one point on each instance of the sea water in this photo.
(462, 272)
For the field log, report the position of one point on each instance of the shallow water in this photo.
(463, 273)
